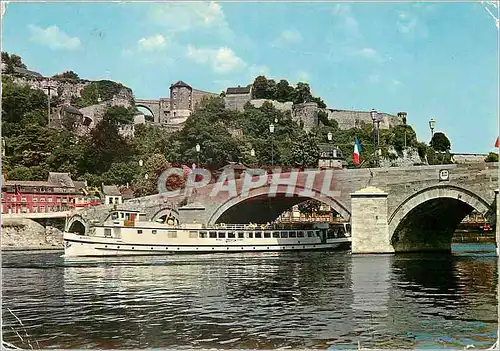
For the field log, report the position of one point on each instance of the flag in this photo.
(357, 150)
(497, 143)
(185, 170)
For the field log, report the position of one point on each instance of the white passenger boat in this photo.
(127, 232)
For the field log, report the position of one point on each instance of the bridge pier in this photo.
(369, 224)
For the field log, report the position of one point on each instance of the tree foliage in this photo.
(440, 142)
(264, 88)
(67, 75)
(492, 157)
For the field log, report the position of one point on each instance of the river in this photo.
(256, 300)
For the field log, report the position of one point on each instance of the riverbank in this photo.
(22, 234)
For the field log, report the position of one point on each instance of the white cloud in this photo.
(396, 82)
(343, 11)
(222, 60)
(257, 70)
(406, 22)
(127, 52)
(369, 53)
(374, 78)
(288, 36)
(53, 38)
(183, 16)
(152, 43)
(303, 76)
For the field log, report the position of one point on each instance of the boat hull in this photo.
(80, 245)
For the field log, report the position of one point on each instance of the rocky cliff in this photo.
(25, 234)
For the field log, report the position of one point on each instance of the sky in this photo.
(431, 60)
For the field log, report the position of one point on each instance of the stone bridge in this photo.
(153, 106)
(391, 209)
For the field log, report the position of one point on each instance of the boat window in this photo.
(172, 234)
(293, 234)
(310, 234)
(250, 235)
(127, 216)
(241, 235)
(300, 234)
(139, 231)
(222, 235)
(114, 215)
(193, 234)
(284, 234)
(122, 215)
(213, 235)
(276, 234)
(258, 234)
(231, 235)
(267, 234)
(153, 231)
(107, 232)
(203, 235)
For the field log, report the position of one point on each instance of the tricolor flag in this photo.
(497, 143)
(357, 150)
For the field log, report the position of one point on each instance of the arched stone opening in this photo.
(427, 220)
(166, 215)
(77, 227)
(258, 207)
(145, 109)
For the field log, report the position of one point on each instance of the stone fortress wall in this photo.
(172, 111)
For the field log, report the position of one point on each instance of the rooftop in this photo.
(180, 84)
(71, 109)
(110, 190)
(238, 90)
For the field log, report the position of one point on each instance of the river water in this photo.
(255, 300)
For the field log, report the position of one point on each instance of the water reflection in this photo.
(252, 300)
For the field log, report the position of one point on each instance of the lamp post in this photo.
(432, 126)
(271, 130)
(329, 136)
(198, 148)
(373, 115)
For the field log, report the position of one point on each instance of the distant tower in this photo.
(180, 101)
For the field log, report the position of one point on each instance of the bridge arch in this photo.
(256, 206)
(426, 220)
(146, 107)
(76, 224)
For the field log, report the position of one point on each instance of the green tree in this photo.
(309, 207)
(284, 92)
(492, 157)
(260, 86)
(68, 75)
(119, 115)
(440, 142)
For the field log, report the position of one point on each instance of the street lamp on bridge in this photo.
(432, 126)
(271, 130)
(198, 149)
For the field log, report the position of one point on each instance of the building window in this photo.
(42, 199)
(58, 199)
(23, 199)
(110, 200)
(42, 209)
(35, 199)
(49, 199)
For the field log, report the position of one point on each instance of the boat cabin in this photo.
(126, 218)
